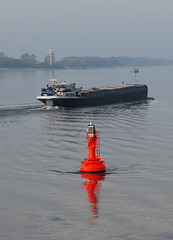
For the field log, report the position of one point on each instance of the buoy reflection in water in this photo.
(92, 184)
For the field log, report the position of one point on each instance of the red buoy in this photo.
(93, 163)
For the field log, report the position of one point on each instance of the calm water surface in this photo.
(42, 195)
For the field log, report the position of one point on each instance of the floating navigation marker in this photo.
(93, 163)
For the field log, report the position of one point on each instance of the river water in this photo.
(42, 194)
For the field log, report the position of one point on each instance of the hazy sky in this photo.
(87, 28)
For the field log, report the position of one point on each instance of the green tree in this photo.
(25, 58)
(33, 58)
(2, 55)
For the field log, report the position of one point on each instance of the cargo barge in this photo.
(68, 95)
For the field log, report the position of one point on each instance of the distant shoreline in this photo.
(82, 62)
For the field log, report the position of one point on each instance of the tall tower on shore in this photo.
(50, 56)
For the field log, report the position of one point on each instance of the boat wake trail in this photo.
(18, 110)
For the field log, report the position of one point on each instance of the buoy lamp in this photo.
(93, 163)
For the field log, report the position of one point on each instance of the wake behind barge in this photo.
(68, 95)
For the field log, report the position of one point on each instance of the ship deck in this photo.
(104, 88)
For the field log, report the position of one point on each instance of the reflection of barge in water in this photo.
(68, 95)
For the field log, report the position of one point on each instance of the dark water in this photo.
(42, 195)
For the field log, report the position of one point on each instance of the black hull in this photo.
(114, 97)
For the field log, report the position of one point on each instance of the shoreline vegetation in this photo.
(74, 62)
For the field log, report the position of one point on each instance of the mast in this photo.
(135, 71)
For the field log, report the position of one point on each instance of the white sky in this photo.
(134, 28)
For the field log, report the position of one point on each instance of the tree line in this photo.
(30, 61)
(26, 61)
